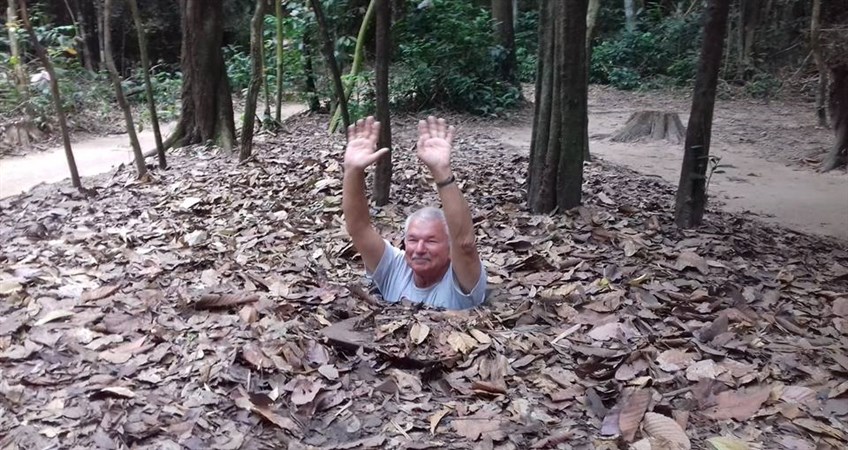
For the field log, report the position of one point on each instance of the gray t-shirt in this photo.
(394, 280)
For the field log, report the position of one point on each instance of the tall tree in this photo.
(505, 37)
(691, 191)
(148, 86)
(309, 74)
(630, 15)
(55, 93)
(560, 119)
(87, 18)
(382, 56)
(330, 57)
(358, 57)
(141, 168)
(278, 12)
(255, 80)
(815, 47)
(17, 62)
(207, 103)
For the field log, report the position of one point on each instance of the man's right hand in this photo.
(361, 149)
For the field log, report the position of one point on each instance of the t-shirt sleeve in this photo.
(473, 298)
(386, 272)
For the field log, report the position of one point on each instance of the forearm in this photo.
(354, 202)
(457, 212)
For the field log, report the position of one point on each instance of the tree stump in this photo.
(20, 134)
(654, 124)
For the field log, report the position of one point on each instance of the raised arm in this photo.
(434, 150)
(361, 152)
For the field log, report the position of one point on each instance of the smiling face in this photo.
(427, 250)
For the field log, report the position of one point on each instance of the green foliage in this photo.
(527, 45)
(666, 50)
(762, 85)
(448, 58)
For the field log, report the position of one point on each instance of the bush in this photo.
(639, 58)
(448, 58)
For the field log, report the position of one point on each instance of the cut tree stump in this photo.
(653, 124)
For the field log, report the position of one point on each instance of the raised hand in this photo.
(361, 149)
(434, 145)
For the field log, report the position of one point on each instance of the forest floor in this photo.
(769, 154)
(222, 306)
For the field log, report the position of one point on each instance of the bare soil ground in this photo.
(769, 155)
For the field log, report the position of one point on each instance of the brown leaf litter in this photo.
(222, 306)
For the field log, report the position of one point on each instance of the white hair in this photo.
(426, 214)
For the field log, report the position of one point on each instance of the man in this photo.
(440, 266)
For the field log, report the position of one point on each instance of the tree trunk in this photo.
(383, 173)
(630, 15)
(255, 81)
(148, 86)
(749, 20)
(691, 191)
(88, 27)
(838, 156)
(17, 61)
(815, 46)
(560, 120)
(207, 104)
(330, 57)
(54, 90)
(505, 37)
(98, 6)
(309, 75)
(591, 21)
(141, 168)
(655, 125)
(278, 12)
(358, 56)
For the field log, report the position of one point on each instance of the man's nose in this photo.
(419, 247)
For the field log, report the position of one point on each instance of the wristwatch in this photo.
(441, 184)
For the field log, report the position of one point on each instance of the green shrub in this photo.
(447, 57)
(639, 58)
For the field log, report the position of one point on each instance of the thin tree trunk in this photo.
(591, 21)
(145, 68)
(629, 15)
(265, 84)
(54, 90)
(383, 173)
(278, 11)
(98, 5)
(358, 56)
(88, 30)
(505, 36)
(330, 57)
(141, 168)
(255, 81)
(838, 156)
(309, 75)
(17, 61)
(815, 46)
(691, 192)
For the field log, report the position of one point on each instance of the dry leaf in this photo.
(739, 405)
(703, 369)
(840, 307)
(664, 428)
(99, 293)
(800, 395)
(674, 360)
(688, 259)
(329, 372)
(461, 342)
(480, 336)
(418, 332)
(472, 428)
(436, 418)
(632, 412)
(53, 315)
(117, 392)
(727, 443)
(223, 301)
(305, 391)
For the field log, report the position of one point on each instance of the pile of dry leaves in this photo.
(222, 306)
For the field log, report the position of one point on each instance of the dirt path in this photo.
(93, 156)
(757, 178)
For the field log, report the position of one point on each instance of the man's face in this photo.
(427, 248)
